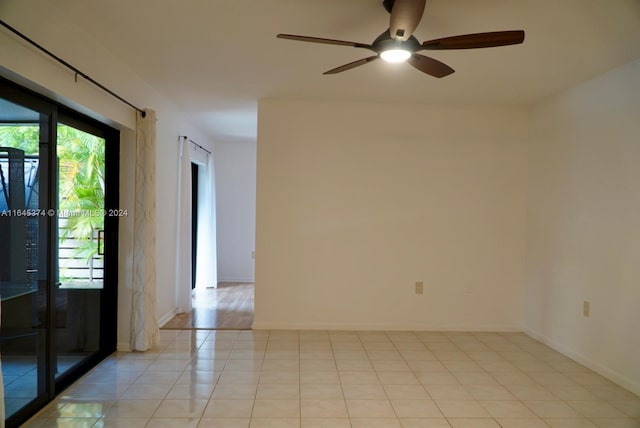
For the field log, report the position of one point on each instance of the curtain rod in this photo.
(195, 144)
(71, 67)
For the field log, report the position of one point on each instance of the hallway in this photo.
(230, 306)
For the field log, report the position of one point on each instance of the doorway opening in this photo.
(214, 304)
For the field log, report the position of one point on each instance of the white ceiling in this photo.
(216, 58)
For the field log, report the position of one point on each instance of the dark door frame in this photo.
(109, 297)
(194, 222)
(15, 94)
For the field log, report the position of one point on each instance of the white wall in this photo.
(47, 23)
(235, 164)
(584, 224)
(358, 201)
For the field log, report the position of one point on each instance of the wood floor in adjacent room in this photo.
(230, 306)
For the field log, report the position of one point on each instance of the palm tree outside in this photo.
(81, 168)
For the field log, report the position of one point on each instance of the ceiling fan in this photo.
(398, 44)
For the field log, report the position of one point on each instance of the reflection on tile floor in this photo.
(256, 379)
(20, 378)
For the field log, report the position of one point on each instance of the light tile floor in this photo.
(20, 378)
(281, 379)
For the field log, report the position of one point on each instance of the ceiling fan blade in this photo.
(431, 66)
(323, 41)
(405, 17)
(478, 40)
(352, 65)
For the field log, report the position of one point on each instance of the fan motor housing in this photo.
(384, 42)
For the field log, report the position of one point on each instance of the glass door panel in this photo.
(80, 246)
(58, 251)
(23, 253)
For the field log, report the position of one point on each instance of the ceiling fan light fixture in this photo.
(395, 55)
(397, 44)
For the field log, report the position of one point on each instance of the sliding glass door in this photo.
(24, 291)
(58, 249)
(83, 313)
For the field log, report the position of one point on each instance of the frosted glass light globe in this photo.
(395, 55)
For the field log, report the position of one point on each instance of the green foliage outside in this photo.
(81, 189)
(81, 159)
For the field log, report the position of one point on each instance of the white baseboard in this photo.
(276, 325)
(126, 346)
(597, 367)
(235, 279)
(167, 317)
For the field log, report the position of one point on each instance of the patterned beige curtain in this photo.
(144, 322)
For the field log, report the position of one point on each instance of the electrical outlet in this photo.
(419, 288)
(253, 254)
(586, 308)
